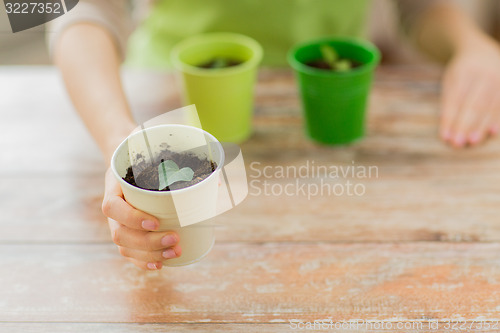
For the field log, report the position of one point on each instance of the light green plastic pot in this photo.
(223, 96)
(334, 103)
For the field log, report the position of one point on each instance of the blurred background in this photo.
(28, 47)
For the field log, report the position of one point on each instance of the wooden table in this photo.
(420, 246)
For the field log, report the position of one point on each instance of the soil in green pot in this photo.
(321, 64)
(220, 62)
(332, 61)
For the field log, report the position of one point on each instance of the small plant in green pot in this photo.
(334, 77)
(217, 72)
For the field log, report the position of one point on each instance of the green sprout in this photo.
(220, 63)
(169, 173)
(332, 58)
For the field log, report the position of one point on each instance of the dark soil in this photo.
(216, 63)
(321, 64)
(148, 178)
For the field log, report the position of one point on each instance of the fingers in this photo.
(143, 248)
(467, 118)
(143, 240)
(131, 230)
(488, 108)
(451, 102)
(494, 126)
(146, 265)
(473, 122)
(470, 98)
(481, 128)
(115, 207)
(150, 256)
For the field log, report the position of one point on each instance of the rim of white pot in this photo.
(164, 193)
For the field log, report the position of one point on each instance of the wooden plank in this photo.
(139, 328)
(419, 204)
(52, 209)
(436, 205)
(254, 283)
(425, 191)
(40, 132)
(414, 204)
(251, 328)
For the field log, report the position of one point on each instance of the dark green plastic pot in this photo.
(334, 103)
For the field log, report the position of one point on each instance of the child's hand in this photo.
(471, 94)
(131, 230)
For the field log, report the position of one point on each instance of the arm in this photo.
(444, 30)
(89, 60)
(470, 104)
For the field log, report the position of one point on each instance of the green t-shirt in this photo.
(276, 24)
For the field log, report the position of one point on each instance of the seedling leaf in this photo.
(169, 173)
(330, 56)
(219, 63)
(343, 65)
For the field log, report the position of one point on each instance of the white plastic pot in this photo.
(185, 210)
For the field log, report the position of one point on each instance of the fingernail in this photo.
(152, 265)
(459, 140)
(475, 137)
(494, 130)
(149, 225)
(169, 240)
(169, 254)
